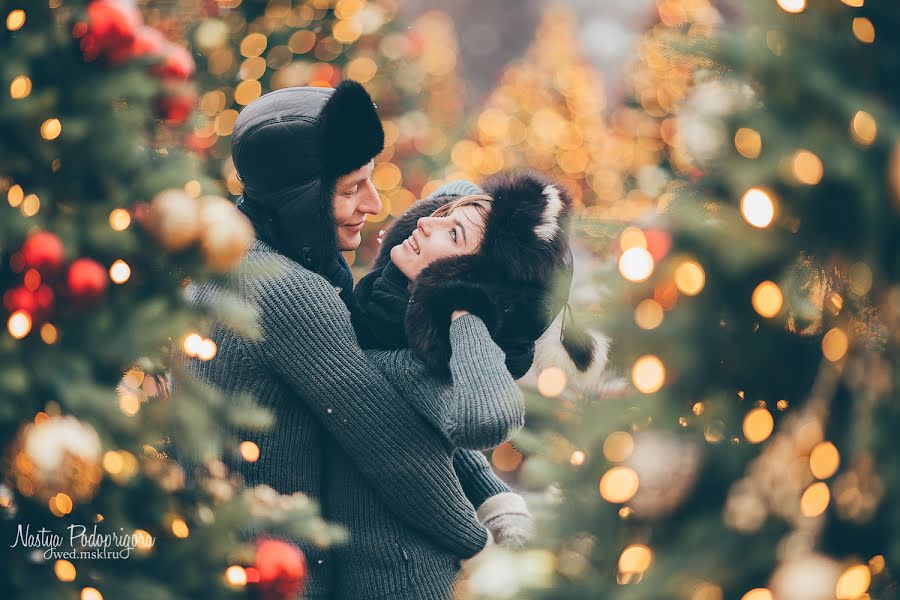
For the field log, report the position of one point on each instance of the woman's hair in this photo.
(481, 202)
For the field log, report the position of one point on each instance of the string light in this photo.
(792, 6)
(180, 528)
(757, 207)
(192, 344)
(632, 237)
(835, 345)
(618, 446)
(807, 167)
(120, 272)
(758, 594)
(864, 30)
(648, 374)
(815, 499)
(50, 129)
(767, 299)
(20, 87)
(15, 19)
(65, 571)
(15, 196)
(90, 593)
(636, 264)
(506, 458)
(19, 324)
(250, 451)
(758, 425)
(635, 559)
(853, 582)
(577, 458)
(551, 382)
(236, 576)
(863, 128)
(690, 277)
(748, 142)
(207, 350)
(49, 333)
(619, 485)
(648, 314)
(824, 460)
(119, 219)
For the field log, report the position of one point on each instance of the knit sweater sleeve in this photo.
(482, 406)
(310, 344)
(478, 480)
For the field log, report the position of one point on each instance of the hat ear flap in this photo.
(439, 290)
(350, 130)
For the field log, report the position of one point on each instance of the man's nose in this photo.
(370, 202)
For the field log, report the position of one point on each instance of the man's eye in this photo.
(352, 191)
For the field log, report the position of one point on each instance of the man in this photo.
(305, 158)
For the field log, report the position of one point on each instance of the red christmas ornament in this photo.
(87, 280)
(43, 251)
(177, 63)
(37, 303)
(111, 25)
(147, 41)
(282, 570)
(659, 242)
(177, 102)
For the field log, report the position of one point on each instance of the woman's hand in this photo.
(457, 314)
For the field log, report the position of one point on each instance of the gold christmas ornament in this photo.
(174, 219)
(227, 234)
(666, 466)
(56, 455)
(810, 577)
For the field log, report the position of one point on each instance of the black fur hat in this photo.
(289, 147)
(517, 282)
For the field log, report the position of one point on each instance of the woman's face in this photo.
(459, 232)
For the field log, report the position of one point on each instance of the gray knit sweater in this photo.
(327, 396)
(479, 408)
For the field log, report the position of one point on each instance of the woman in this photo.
(466, 319)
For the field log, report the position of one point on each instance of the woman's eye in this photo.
(453, 235)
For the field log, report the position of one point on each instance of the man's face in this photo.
(354, 198)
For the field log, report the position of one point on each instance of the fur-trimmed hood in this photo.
(289, 147)
(517, 282)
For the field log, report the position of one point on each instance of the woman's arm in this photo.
(310, 344)
(481, 407)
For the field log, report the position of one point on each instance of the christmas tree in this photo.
(104, 220)
(754, 456)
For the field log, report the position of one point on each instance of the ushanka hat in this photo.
(289, 147)
(517, 282)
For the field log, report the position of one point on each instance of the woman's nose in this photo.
(425, 224)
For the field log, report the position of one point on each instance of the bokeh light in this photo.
(824, 460)
(648, 314)
(758, 425)
(690, 277)
(636, 264)
(815, 499)
(757, 207)
(648, 374)
(551, 382)
(767, 299)
(619, 485)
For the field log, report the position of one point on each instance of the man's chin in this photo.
(349, 242)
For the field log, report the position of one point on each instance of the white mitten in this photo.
(507, 518)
